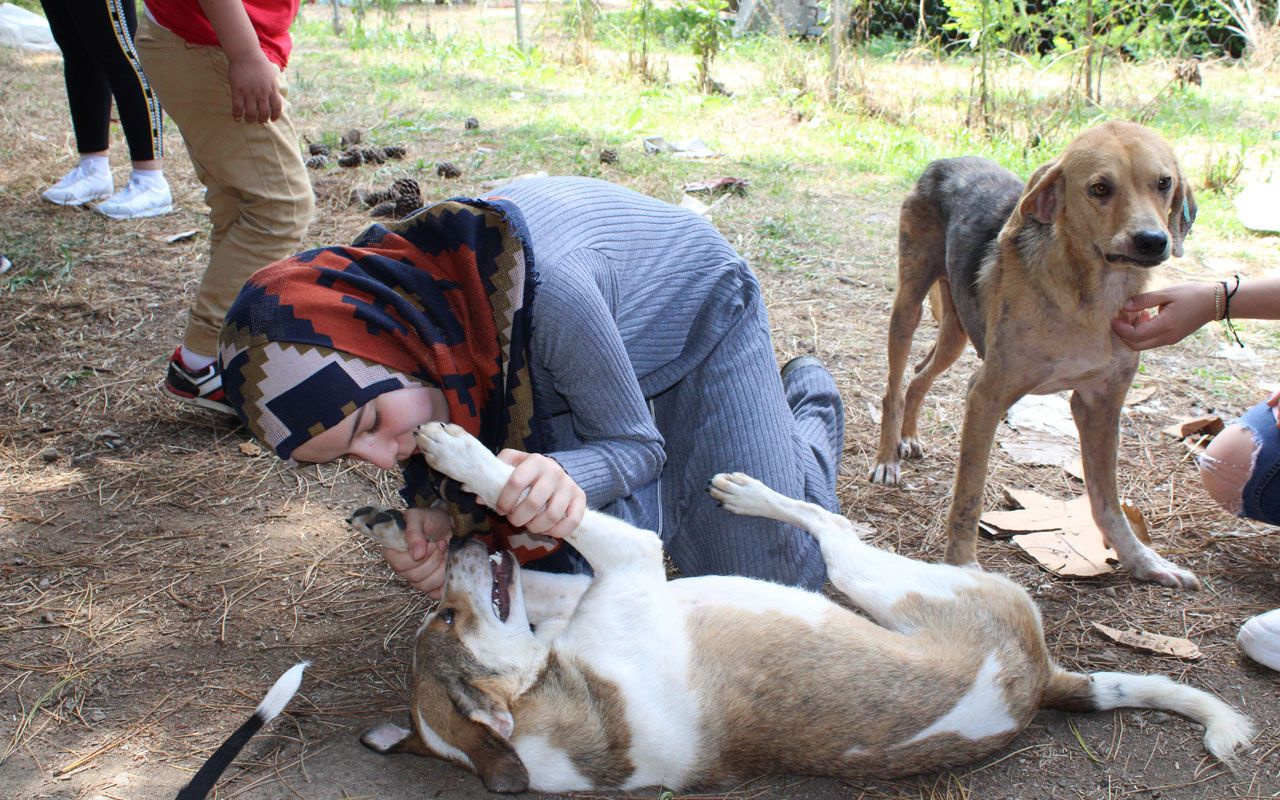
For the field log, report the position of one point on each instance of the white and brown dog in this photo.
(625, 680)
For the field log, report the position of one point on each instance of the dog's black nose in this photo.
(1150, 243)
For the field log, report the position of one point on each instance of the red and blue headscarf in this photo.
(440, 298)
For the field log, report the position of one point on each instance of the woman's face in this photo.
(380, 431)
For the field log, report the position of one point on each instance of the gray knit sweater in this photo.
(633, 293)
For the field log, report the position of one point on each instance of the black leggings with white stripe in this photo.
(96, 38)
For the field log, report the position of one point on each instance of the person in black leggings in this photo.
(99, 62)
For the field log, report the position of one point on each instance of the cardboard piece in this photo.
(1151, 642)
(1060, 535)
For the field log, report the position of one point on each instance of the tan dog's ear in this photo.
(1182, 213)
(498, 765)
(1039, 201)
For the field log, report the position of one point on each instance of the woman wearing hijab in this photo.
(614, 348)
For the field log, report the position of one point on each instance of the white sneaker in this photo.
(80, 186)
(138, 199)
(1259, 638)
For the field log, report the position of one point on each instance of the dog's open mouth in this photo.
(503, 567)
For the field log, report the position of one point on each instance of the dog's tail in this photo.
(271, 705)
(1225, 729)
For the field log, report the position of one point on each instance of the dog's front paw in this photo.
(458, 454)
(1153, 567)
(384, 525)
(886, 473)
(740, 494)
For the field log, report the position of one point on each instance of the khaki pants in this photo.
(259, 196)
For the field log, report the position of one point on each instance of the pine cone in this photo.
(350, 158)
(386, 209)
(471, 124)
(352, 136)
(372, 155)
(406, 187)
(608, 156)
(446, 169)
(395, 151)
(377, 197)
(406, 205)
(316, 162)
(318, 149)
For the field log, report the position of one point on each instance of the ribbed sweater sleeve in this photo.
(578, 342)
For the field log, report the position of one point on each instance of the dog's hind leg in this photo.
(921, 248)
(874, 579)
(948, 347)
(1097, 416)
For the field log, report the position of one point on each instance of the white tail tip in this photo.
(281, 693)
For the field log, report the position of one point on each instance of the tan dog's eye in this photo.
(1164, 183)
(446, 616)
(1100, 190)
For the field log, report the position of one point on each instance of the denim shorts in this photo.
(1262, 490)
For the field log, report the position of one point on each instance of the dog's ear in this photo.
(1182, 213)
(1043, 195)
(489, 708)
(497, 764)
(388, 739)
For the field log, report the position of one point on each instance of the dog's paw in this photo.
(461, 456)
(740, 494)
(910, 447)
(384, 525)
(386, 738)
(885, 473)
(1151, 566)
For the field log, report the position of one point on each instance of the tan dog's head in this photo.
(1116, 193)
(474, 654)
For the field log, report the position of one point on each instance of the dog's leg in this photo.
(903, 321)
(874, 579)
(607, 543)
(920, 252)
(948, 347)
(989, 398)
(1097, 416)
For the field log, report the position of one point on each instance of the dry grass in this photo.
(156, 578)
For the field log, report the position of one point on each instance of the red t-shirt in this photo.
(271, 20)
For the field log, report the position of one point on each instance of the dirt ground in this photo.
(158, 571)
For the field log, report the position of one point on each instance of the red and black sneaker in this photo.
(202, 387)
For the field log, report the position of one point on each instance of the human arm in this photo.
(1185, 307)
(1274, 402)
(255, 88)
(427, 534)
(577, 340)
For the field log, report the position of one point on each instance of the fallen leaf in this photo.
(1151, 642)
(1209, 426)
(251, 449)
(1139, 395)
(718, 185)
(178, 237)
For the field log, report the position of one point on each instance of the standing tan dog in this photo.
(628, 680)
(1033, 277)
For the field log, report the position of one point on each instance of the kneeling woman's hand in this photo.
(540, 496)
(426, 532)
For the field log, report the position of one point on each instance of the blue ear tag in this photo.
(1186, 212)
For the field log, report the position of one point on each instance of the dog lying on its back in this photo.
(1033, 276)
(628, 680)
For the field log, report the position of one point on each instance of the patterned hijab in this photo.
(440, 298)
